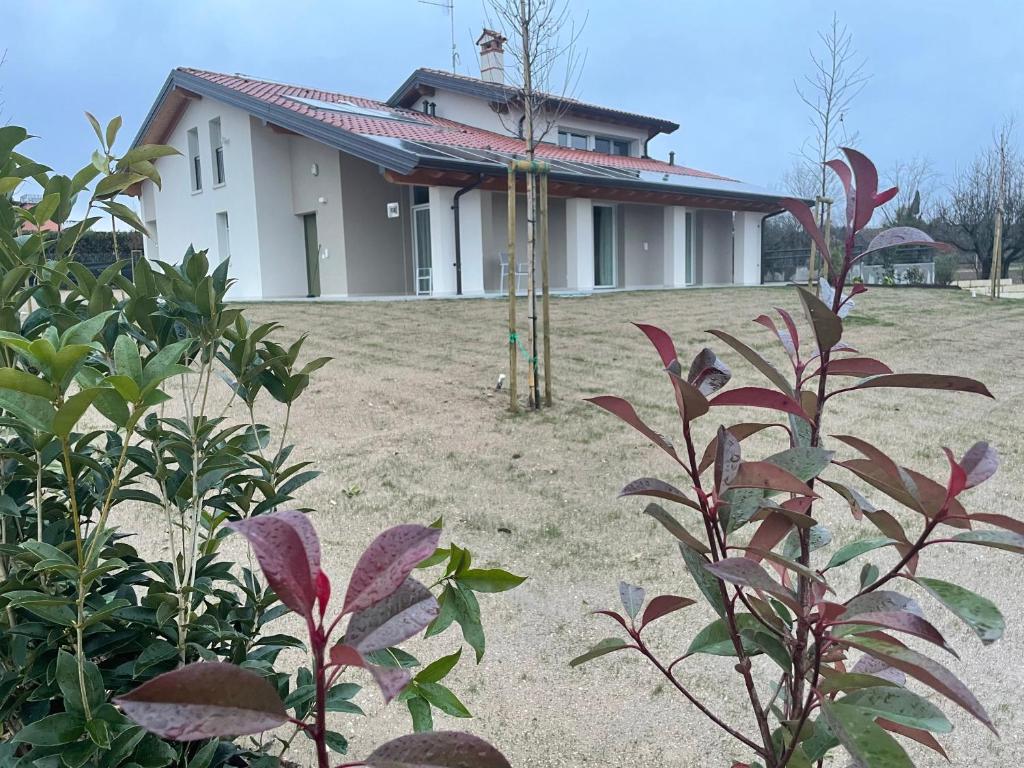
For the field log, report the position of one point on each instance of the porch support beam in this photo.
(579, 244)
(746, 248)
(675, 246)
(475, 222)
(442, 241)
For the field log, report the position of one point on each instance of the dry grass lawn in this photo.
(408, 416)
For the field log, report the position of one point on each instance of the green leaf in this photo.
(73, 409)
(36, 412)
(715, 639)
(854, 549)
(26, 383)
(606, 646)
(52, 731)
(868, 744)
(336, 742)
(828, 328)
(443, 699)
(632, 599)
(978, 612)
(1011, 542)
(86, 331)
(422, 719)
(70, 688)
(148, 152)
(204, 757)
(165, 362)
(706, 583)
(339, 699)
(899, 705)
(489, 580)
(438, 670)
(99, 732)
(126, 358)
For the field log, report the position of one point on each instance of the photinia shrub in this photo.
(836, 669)
(384, 605)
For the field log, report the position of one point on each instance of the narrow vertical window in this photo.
(195, 164)
(217, 152)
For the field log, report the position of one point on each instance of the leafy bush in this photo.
(946, 265)
(385, 607)
(755, 545)
(914, 276)
(106, 396)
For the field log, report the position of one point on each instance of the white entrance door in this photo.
(423, 277)
(604, 246)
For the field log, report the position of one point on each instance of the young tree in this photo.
(912, 206)
(837, 76)
(968, 216)
(544, 72)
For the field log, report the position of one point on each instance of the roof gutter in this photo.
(458, 232)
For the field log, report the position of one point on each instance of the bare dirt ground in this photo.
(406, 426)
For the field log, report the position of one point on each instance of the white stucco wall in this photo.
(185, 218)
(716, 247)
(643, 246)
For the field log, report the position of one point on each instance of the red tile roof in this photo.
(424, 128)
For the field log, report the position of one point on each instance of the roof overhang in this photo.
(409, 92)
(434, 173)
(181, 87)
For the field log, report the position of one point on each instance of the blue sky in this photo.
(943, 73)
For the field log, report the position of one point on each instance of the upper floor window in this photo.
(194, 163)
(611, 146)
(217, 152)
(573, 140)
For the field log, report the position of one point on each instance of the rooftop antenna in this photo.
(449, 7)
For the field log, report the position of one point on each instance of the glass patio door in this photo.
(421, 245)
(604, 246)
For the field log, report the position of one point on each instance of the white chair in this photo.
(520, 272)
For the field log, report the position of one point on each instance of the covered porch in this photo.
(600, 238)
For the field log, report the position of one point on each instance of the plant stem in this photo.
(693, 699)
(743, 665)
(318, 641)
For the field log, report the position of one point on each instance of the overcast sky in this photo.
(943, 72)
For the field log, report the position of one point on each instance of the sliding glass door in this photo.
(604, 246)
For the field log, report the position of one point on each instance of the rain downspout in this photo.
(458, 234)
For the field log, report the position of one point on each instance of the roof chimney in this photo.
(671, 158)
(492, 56)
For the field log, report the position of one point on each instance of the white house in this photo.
(314, 193)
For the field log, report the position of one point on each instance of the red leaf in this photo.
(616, 616)
(759, 397)
(387, 562)
(804, 215)
(980, 462)
(957, 476)
(888, 467)
(842, 170)
(928, 671)
(437, 749)
(740, 431)
(625, 411)
(390, 680)
(791, 327)
(203, 701)
(884, 197)
(708, 373)
(784, 338)
(856, 366)
(1000, 521)
(727, 459)
(900, 236)
(663, 605)
(396, 618)
(651, 486)
(739, 570)
(918, 735)
(866, 183)
(288, 560)
(769, 477)
(769, 533)
(661, 341)
(323, 592)
(902, 621)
